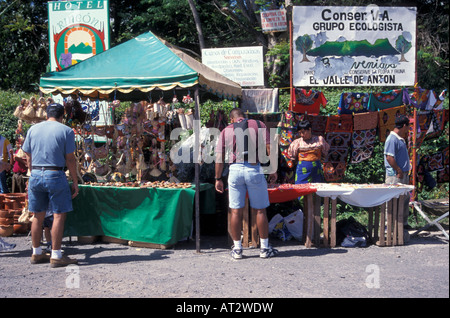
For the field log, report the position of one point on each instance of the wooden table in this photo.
(386, 211)
(385, 224)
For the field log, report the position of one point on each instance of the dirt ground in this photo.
(418, 269)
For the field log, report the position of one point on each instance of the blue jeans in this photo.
(247, 178)
(3, 185)
(49, 191)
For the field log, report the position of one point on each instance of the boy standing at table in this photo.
(396, 158)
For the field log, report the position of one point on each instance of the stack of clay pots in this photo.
(11, 207)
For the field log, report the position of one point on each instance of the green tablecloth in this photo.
(151, 215)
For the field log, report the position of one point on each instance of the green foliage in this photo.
(8, 122)
(280, 53)
(208, 106)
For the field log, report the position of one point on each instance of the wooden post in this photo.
(370, 223)
(317, 219)
(382, 224)
(326, 224)
(395, 220)
(376, 234)
(401, 213)
(308, 204)
(197, 152)
(333, 223)
(291, 68)
(389, 223)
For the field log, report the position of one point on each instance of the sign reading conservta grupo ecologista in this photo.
(354, 46)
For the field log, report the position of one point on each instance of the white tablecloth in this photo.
(363, 195)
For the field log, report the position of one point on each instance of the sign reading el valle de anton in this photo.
(354, 46)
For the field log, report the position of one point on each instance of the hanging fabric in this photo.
(420, 98)
(318, 124)
(309, 102)
(363, 142)
(365, 121)
(353, 103)
(385, 100)
(386, 120)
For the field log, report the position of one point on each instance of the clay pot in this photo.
(6, 213)
(6, 221)
(6, 231)
(18, 198)
(2, 197)
(21, 228)
(9, 204)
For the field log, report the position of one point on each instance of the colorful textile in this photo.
(291, 119)
(338, 139)
(353, 103)
(287, 136)
(334, 171)
(336, 161)
(288, 192)
(308, 172)
(318, 124)
(340, 123)
(442, 175)
(439, 99)
(361, 153)
(387, 120)
(419, 98)
(365, 121)
(384, 100)
(433, 162)
(309, 101)
(363, 142)
(436, 124)
(337, 155)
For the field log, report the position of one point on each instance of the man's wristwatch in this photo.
(217, 179)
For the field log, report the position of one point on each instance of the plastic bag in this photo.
(274, 221)
(278, 228)
(294, 224)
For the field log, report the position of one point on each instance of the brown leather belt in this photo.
(47, 168)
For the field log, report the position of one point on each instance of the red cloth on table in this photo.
(289, 192)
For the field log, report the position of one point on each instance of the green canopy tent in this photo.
(131, 70)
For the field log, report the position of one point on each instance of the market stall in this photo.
(160, 215)
(363, 120)
(134, 71)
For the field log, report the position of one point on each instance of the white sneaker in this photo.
(268, 252)
(236, 253)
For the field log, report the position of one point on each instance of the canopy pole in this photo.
(291, 67)
(196, 158)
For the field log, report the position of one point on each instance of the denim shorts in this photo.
(246, 178)
(49, 191)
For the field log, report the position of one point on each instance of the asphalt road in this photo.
(418, 269)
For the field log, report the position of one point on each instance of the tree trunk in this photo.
(198, 24)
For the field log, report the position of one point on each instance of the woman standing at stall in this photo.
(308, 149)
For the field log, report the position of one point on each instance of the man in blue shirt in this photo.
(49, 147)
(396, 157)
